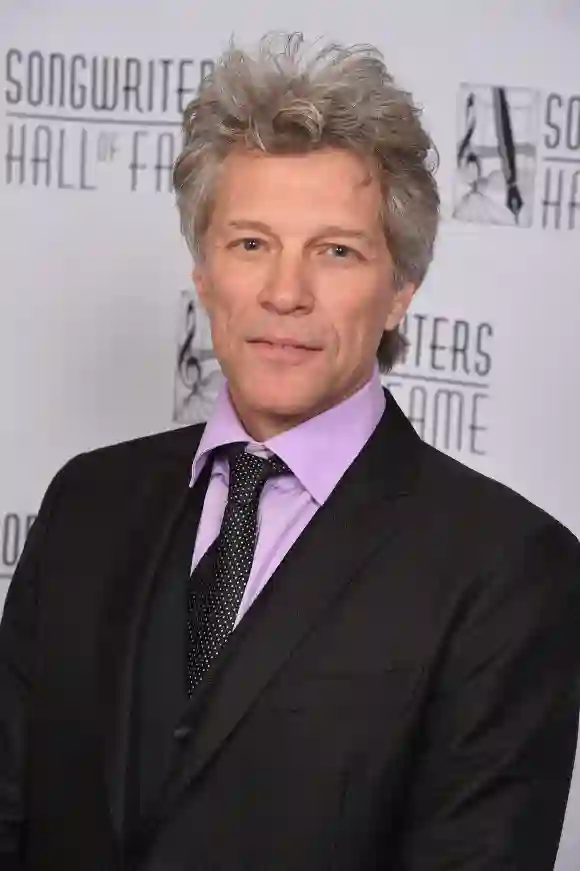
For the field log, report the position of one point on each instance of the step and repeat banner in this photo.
(101, 335)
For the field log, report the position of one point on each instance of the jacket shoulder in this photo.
(477, 506)
(125, 460)
(175, 441)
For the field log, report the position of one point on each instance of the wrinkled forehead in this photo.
(328, 186)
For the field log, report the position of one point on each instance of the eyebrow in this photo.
(328, 230)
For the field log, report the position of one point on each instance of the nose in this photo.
(287, 288)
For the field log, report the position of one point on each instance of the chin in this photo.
(282, 405)
(279, 400)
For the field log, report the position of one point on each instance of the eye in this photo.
(342, 252)
(249, 243)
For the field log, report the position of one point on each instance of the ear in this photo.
(401, 302)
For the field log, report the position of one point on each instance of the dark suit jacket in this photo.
(403, 694)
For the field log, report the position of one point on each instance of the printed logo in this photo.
(496, 155)
(14, 528)
(197, 372)
(444, 384)
(88, 123)
(518, 158)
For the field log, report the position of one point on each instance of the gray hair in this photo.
(281, 101)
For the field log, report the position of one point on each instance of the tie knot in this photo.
(249, 473)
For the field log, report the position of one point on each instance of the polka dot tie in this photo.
(215, 595)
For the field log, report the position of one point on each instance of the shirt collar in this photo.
(222, 428)
(317, 451)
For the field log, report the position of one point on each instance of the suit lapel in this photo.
(327, 556)
(161, 491)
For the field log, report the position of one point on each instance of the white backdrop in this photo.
(100, 336)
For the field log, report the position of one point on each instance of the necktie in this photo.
(216, 589)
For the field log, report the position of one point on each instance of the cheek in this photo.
(232, 291)
(222, 321)
(358, 319)
(228, 315)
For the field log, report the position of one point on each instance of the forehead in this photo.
(325, 185)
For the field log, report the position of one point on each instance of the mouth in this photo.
(286, 350)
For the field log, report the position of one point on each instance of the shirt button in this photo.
(182, 732)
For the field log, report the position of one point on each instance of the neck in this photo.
(262, 425)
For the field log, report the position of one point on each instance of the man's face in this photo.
(297, 280)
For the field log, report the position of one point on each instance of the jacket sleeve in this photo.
(492, 771)
(18, 652)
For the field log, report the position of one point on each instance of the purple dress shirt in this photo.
(318, 452)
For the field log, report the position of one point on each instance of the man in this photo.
(375, 660)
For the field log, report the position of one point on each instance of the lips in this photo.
(283, 351)
(284, 343)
